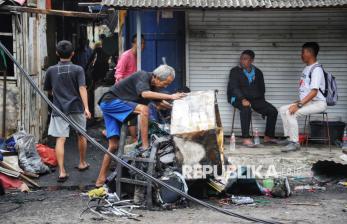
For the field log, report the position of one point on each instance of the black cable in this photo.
(116, 158)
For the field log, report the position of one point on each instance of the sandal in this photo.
(82, 169)
(62, 179)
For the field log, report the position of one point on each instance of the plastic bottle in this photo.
(232, 146)
(344, 140)
(256, 137)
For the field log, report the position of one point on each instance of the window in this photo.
(6, 38)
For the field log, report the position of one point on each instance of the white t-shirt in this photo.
(317, 82)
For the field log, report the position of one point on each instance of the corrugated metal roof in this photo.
(224, 3)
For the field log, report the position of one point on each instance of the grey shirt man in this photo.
(64, 80)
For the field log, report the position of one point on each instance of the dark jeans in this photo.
(262, 107)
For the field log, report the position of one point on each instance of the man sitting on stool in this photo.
(246, 91)
(312, 100)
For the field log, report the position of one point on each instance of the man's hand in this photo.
(177, 96)
(163, 105)
(87, 113)
(246, 103)
(293, 109)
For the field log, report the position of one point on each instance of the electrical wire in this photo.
(119, 160)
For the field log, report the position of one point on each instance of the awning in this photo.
(224, 3)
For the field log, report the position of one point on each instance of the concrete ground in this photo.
(65, 207)
(63, 203)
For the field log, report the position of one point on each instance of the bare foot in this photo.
(83, 165)
(99, 182)
(247, 141)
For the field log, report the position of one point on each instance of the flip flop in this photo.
(82, 169)
(62, 179)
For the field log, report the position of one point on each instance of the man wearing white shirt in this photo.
(312, 100)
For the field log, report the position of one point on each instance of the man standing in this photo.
(312, 100)
(127, 62)
(126, 66)
(246, 91)
(66, 82)
(131, 96)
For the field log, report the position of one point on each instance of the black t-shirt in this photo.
(64, 80)
(131, 88)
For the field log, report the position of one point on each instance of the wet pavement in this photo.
(77, 179)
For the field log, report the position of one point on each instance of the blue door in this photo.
(164, 37)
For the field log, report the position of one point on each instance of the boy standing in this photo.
(66, 82)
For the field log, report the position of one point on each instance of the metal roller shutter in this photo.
(215, 39)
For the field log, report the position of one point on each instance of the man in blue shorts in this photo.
(129, 97)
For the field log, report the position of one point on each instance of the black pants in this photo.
(262, 107)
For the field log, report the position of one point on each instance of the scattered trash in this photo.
(309, 188)
(281, 188)
(217, 185)
(47, 155)
(106, 205)
(305, 203)
(268, 183)
(97, 193)
(240, 200)
(13, 183)
(11, 171)
(342, 183)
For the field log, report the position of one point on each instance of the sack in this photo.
(29, 159)
(47, 154)
(330, 92)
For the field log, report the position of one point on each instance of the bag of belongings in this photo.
(29, 159)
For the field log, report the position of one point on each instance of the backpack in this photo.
(330, 92)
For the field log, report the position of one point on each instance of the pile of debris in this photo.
(21, 160)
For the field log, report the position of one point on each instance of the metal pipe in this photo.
(4, 104)
(138, 39)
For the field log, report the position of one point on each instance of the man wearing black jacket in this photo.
(246, 91)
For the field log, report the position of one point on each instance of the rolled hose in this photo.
(116, 158)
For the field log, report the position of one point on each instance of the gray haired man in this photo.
(130, 97)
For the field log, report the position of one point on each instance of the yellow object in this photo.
(97, 193)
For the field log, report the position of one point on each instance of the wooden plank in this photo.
(54, 12)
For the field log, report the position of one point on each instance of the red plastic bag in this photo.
(47, 154)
